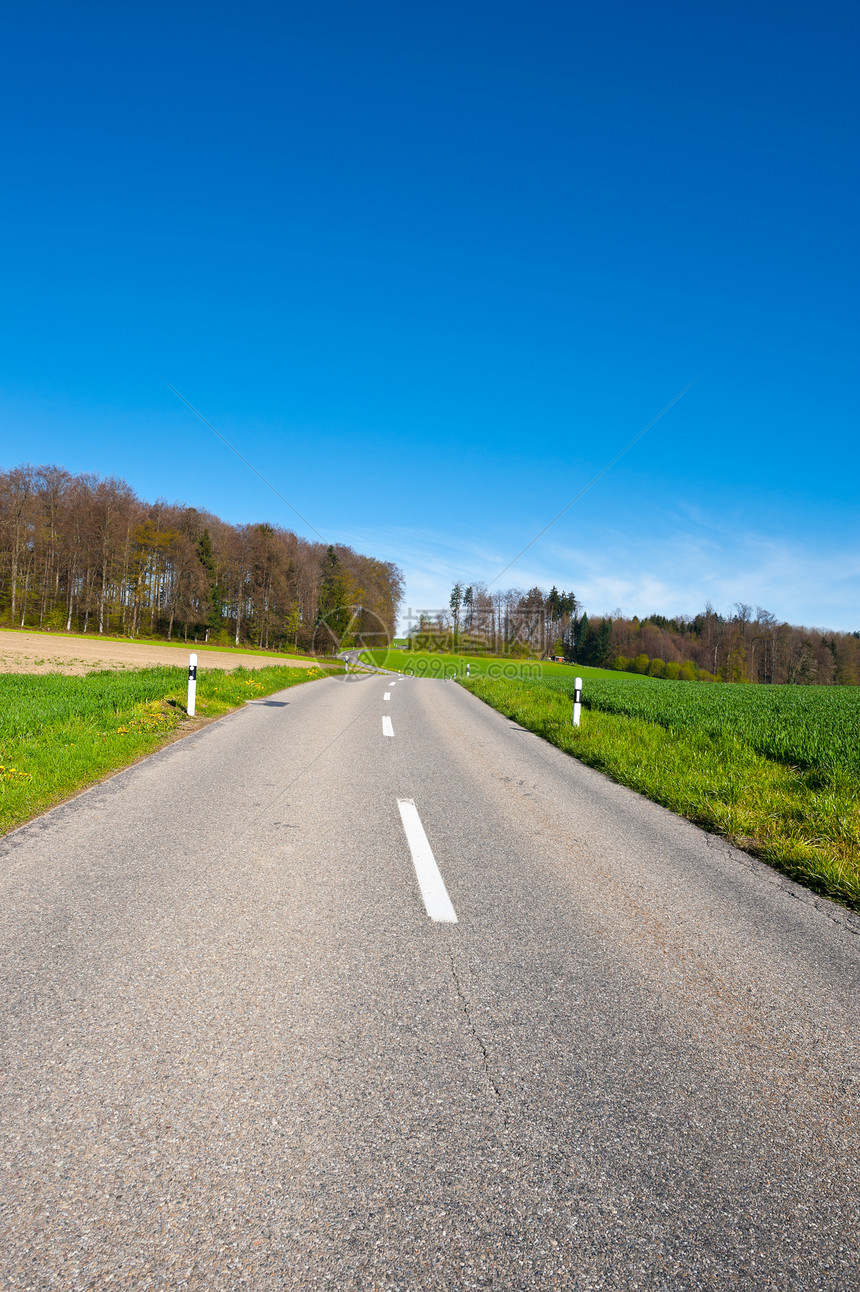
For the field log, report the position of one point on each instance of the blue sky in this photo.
(430, 268)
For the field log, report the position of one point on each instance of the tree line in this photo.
(746, 645)
(85, 554)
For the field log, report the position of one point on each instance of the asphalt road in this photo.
(238, 1053)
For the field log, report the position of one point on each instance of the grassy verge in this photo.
(803, 726)
(59, 734)
(804, 822)
(430, 664)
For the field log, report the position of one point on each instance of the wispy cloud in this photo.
(679, 572)
(697, 558)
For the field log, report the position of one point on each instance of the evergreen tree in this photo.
(455, 603)
(205, 556)
(468, 600)
(581, 636)
(603, 643)
(335, 595)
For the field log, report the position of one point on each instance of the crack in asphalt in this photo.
(485, 1054)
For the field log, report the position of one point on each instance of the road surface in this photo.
(238, 1053)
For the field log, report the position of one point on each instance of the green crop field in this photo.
(774, 769)
(807, 726)
(31, 703)
(59, 734)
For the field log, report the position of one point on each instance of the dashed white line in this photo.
(437, 903)
(387, 695)
(387, 729)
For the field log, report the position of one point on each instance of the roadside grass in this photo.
(59, 734)
(806, 726)
(430, 664)
(804, 821)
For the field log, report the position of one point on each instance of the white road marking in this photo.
(392, 684)
(387, 695)
(436, 900)
(387, 729)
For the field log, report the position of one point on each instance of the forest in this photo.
(747, 645)
(84, 554)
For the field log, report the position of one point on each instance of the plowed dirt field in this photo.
(51, 653)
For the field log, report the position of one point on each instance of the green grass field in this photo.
(774, 769)
(428, 664)
(59, 734)
(808, 726)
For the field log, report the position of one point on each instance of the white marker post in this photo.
(577, 700)
(467, 670)
(192, 684)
